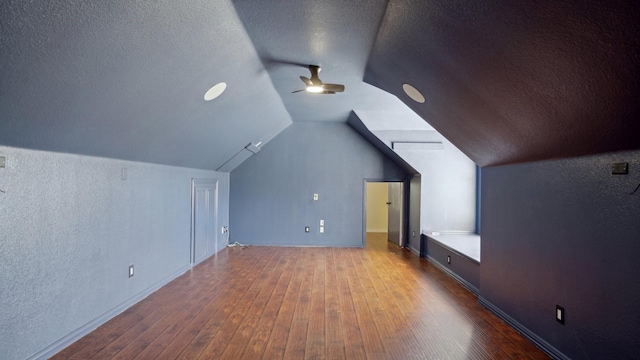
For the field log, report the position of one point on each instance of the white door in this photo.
(204, 216)
(395, 213)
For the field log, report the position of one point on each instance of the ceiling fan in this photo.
(315, 85)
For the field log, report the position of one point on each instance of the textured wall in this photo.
(566, 232)
(272, 191)
(69, 229)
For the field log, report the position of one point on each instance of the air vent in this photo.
(417, 146)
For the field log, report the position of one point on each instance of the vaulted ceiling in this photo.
(505, 81)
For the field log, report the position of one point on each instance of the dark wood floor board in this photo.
(194, 347)
(354, 344)
(389, 289)
(130, 336)
(386, 274)
(370, 335)
(87, 344)
(170, 329)
(334, 326)
(277, 338)
(266, 279)
(386, 329)
(378, 302)
(217, 289)
(261, 316)
(297, 339)
(172, 293)
(316, 338)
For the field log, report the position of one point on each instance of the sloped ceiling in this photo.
(505, 81)
(515, 81)
(337, 35)
(127, 80)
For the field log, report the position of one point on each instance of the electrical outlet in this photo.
(3, 161)
(315, 197)
(321, 229)
(560, 314)
(130, 271)
(620, 169)
(225, 229)
(448, 259)
(307, 229)
(321, 222)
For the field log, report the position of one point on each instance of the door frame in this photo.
(405, 208)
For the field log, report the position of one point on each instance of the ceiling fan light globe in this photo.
(314, 89)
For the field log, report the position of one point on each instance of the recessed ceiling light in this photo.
(413, 93)
(215, 91)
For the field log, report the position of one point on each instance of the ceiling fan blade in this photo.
(333, 87)
(306, 80)
(293, 92)
(270, 61)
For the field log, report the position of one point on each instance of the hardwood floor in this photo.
(381, 302)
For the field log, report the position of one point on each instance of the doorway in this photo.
(384, 210)
(204, 217)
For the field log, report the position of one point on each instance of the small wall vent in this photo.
(417, 146)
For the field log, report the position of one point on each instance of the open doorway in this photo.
(384, 211)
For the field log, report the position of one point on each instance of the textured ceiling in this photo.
(515, 81)
(334, 34)
(127, 79)
(505, 81)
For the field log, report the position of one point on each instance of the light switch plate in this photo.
(560, 314)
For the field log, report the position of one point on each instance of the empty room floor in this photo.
(378, 302)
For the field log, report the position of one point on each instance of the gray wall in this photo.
(272, 191)
(462, 267)
(69, 229)
(566, 232)
(414, 214)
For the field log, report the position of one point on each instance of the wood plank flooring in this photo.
(380, 302)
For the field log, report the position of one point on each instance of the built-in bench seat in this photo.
(456, 254)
